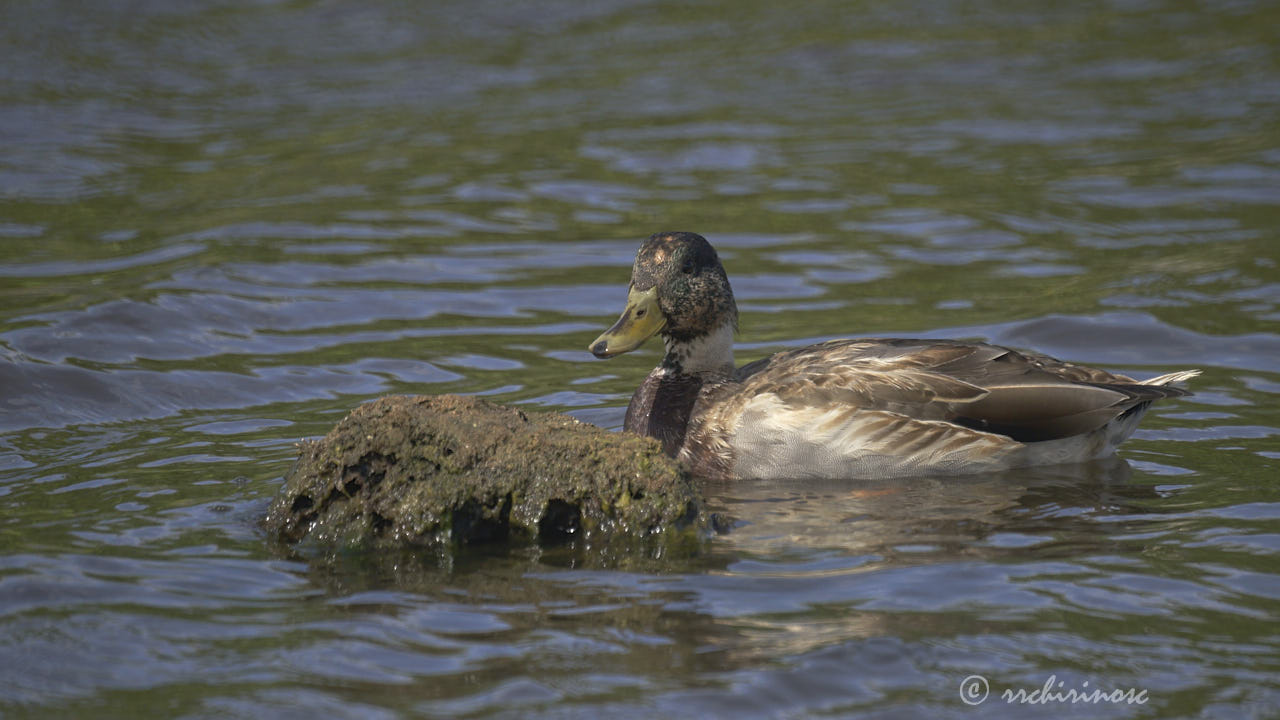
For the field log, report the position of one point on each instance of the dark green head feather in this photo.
(693, 290)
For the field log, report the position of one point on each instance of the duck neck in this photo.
(709, 353)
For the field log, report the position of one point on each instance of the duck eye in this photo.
(641, 312)
(688, 267)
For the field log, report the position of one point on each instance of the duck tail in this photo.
(1172, 378)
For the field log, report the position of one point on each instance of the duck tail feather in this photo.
(1172, 378)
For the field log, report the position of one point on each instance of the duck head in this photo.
(679, 290)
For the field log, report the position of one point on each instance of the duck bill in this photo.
(641, 320)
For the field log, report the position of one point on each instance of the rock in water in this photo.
(440, 469)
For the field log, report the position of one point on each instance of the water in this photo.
(222, 225)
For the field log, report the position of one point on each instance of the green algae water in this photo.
(225, 224)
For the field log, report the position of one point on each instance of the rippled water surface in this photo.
(224, 224)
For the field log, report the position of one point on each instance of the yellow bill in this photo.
(641, 320)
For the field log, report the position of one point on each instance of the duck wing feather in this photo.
(1025, 396)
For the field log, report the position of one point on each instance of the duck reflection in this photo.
(912, 518)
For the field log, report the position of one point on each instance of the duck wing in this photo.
(1025, 396)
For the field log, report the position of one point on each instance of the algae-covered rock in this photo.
(440, 469)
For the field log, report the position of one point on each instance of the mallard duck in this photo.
(855, 408)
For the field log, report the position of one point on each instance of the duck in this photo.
(857, 407)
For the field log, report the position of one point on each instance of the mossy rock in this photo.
(436, 470)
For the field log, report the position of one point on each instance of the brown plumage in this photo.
(852, 408)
